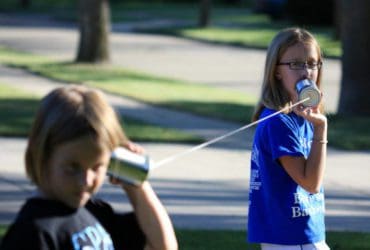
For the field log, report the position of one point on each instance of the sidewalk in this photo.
(208, 188)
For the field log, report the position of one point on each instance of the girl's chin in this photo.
(80, 201)
(84, 199)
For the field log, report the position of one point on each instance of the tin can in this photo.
(129, 167)
(308, 89)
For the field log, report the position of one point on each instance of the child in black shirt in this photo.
(68, 152)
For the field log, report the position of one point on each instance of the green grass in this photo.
(230, 25)
(234, 26)
(235, 240)
(17, 111)
(196, 98)
(350, 133)
(143, 132)
(213, 240)
(252, 37)
(344, 133)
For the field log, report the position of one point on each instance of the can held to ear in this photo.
(129, 167)
(308, 89)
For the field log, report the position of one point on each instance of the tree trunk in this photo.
(337, 19)
(355, 90)
(204, 13)
(25, 4)
(94, 21)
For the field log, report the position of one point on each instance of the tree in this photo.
(355, 33)
(25, 4)
(94, 21)
(204, 13)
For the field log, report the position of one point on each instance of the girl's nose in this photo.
(87, 178)
(305, 72)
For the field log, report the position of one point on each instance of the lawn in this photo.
(235, 240)
(197, 98)
(219, 103)
(17, 110)
(230, 24)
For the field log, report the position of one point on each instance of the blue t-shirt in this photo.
(281, 211)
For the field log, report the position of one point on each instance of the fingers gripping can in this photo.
(129, 167)
(308, 89)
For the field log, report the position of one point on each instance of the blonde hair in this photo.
(65, 114)
(273, 94)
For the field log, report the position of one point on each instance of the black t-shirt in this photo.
(46, 224)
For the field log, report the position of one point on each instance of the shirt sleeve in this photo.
(283, 137)
(123, 228)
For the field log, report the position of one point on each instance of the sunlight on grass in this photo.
(255, 37)
(18, 108)
(197, 98)
(250, 37)
(142, 132)
(247, 29)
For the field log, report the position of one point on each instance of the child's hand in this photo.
(136, 148)
(116, 181)
(311, 114)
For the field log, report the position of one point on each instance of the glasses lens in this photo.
(303, 65)
(297, 65)
(312, 65)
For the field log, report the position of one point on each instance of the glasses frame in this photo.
(305, 65)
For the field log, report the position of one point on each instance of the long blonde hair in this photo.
(66, 114)
(273, 94)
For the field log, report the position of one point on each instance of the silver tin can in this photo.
(308, 89)
(129, 167)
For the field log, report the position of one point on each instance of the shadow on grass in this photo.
(16, 115)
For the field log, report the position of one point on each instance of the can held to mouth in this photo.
(129, 167)
(308, 89)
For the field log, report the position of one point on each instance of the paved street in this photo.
(208, 188)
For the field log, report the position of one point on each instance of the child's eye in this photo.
(72, 169)
(297, 64)
(99, 167)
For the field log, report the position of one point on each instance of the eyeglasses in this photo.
(302, 65)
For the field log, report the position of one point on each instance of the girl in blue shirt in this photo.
(286, 199)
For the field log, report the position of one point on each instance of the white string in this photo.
(205, 144)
